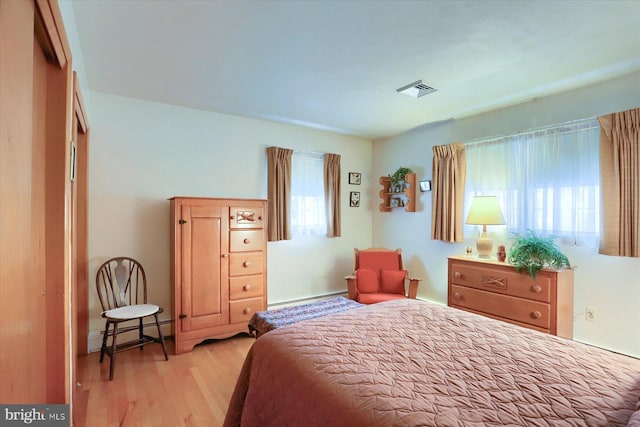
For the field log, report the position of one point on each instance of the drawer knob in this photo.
(224, 255)
(246, 287)
(246, 264)
(457, 295)
(232, 217)
(536, 288)
(246, 310)
(536, 314)
(260, 218)
(246, 241)
(457, 274)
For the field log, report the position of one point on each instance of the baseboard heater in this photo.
(306, 299)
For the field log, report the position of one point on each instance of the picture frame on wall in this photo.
(425, 185)
(354, 199)
(355, 178)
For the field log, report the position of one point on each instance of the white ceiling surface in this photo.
(336, 65)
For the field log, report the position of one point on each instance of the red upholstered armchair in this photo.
(379, 275)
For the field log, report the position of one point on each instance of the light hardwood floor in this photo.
(192, 389)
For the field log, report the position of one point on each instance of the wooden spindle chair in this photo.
(122, 288)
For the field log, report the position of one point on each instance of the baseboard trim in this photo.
(94, 341)
(431, 301)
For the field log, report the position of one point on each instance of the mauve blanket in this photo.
(413, 363)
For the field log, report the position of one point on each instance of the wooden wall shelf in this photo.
(392, 199)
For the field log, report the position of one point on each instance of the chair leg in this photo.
(164, 346)
(103, 349)
(140, 335)
(113, 351)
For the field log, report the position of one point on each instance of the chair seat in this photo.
(373, 298)
(131, 311)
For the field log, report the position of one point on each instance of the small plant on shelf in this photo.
(399, 176)
(532, 253)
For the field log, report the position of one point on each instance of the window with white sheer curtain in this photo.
(307, 194)
(546, 180)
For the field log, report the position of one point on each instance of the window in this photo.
(546, 180)
(307, 194)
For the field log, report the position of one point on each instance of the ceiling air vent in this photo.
(416, 89)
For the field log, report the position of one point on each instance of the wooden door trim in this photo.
(49, 31)
(56, 45)
(79, 108)
(22, 271)
(82, 256)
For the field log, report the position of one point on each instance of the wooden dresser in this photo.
(496, 289)
(219, 267)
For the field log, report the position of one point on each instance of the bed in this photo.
(414, 363)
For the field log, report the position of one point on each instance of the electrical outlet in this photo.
(591, 314)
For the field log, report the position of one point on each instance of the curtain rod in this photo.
(309, 153)
(534, 130)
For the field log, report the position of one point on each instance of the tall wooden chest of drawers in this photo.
(218, 268)
(496, 289)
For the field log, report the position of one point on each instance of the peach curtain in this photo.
(448, 175)
(620, 183)
(279, 193)
(332, 193)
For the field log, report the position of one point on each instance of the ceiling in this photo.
(336, 65)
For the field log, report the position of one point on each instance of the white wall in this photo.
(143, 153)
(610, 284)
(68, 17)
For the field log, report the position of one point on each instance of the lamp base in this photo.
(484, 246)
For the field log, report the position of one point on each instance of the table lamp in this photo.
(484, 211)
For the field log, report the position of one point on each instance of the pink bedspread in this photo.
(411, 363)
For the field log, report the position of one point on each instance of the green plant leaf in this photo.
(532, 253)
(399, 175)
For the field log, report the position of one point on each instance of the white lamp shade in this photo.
(485, 210)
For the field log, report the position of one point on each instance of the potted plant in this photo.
(399, 175)
(532, 253)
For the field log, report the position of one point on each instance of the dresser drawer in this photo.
(242, 310)
(244, 263)
(246, 240)
(513, 322)
(246, 286)
(509, 307)
(501, 281)
(246, 217)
